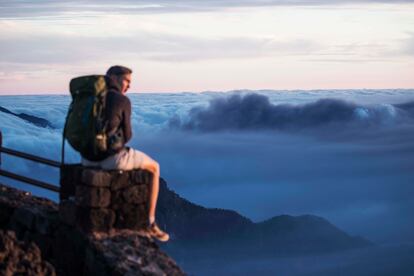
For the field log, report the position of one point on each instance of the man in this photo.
(118, 116)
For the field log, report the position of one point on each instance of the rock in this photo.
(69, 246)
(44, 242)
(6, 210)
(127, 252)
(67, 211)
(25, 217)
(21, 258)
(46, 222)
(71, 251)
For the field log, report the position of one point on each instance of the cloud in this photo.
(408, 45)
(255, 112)
(30, 8)
(356, 53)
(181, 48)
(363, 184)
(349, 180)
(359, 178)
(58, 49)
(343, 167)
(376, 260)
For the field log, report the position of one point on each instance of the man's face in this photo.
(123, 82)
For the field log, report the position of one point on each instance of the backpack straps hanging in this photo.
(62, 161)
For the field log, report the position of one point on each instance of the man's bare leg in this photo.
(152, 166)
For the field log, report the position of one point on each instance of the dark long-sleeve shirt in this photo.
(118, 123)
(118, 115)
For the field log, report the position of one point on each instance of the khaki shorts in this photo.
(126, 159)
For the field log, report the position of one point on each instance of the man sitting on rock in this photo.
(118, 116)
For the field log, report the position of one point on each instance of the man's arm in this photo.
(127, 121)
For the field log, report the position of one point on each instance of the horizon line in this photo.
(205, 91)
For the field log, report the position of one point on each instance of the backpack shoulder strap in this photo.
(62, 161)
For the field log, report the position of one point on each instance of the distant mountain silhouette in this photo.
(37, 121)
(198, 230)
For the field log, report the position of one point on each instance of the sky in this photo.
(178, 46)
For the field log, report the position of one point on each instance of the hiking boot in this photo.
(155, 232)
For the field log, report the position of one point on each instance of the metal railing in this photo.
(30, 157)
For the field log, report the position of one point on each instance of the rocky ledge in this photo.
(21, 258)
(34, 241)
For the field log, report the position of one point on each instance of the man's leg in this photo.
(151, 165)
(142, 161)
(130, 159)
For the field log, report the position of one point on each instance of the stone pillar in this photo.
(98, 200)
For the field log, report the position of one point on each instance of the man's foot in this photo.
(155, 232)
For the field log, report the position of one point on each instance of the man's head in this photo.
(121, 76)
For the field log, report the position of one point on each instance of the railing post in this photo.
(28, 180)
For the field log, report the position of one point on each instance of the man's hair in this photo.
(118, 70)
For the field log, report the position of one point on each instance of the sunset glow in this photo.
(196, 47)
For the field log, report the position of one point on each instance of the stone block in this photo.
(117, 200)
(135, 194)
(89, 220)
(120, 180)
(126, 192)
(138, 176)
(131, 217)
(96, 178)
(147, 177)
(92, 197)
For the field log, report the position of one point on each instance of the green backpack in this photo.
(85, 126)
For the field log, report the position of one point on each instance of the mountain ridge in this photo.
(221, 231)
(37, 121)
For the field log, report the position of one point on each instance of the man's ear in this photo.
(113, 78)
(114, 81)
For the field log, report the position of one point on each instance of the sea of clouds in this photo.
(346, 155)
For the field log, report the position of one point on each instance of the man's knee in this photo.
(152, 166)
(156, 167)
